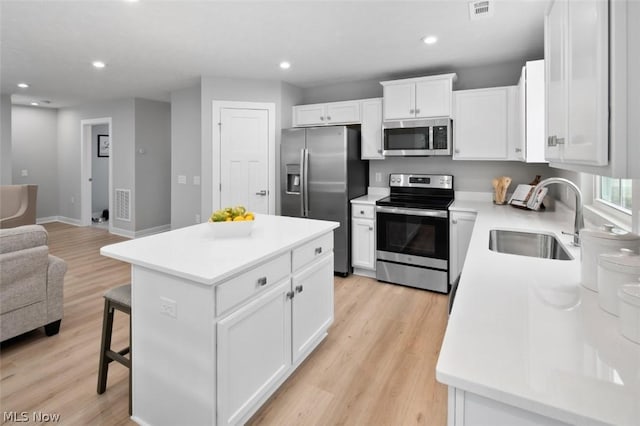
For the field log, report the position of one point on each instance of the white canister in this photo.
(629, 296)
(594, 242)
(614, 270)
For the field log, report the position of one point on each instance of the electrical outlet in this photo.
(378, 177)
(197, 218)
(182, 179)
(168, 307)
(196, 180)
(73, 199)
(25, 173)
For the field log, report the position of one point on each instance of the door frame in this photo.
(270, 107)
(85, 168)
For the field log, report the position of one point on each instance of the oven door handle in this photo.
(412, 212)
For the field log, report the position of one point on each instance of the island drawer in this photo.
(250, 283)
(312, 250)
(363, 211)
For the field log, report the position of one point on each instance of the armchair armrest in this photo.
(55, 287)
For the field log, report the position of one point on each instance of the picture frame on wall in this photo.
(103, 145)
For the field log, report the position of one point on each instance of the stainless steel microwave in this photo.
(417, 137)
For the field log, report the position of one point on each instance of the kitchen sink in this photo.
(532, 244)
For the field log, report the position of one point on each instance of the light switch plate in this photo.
(182, 179)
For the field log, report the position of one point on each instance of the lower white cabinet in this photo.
(363, 239)
(312, 306)
(460, 229)
(264, 338)
(254, 352)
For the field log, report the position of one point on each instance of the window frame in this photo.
(607, 211)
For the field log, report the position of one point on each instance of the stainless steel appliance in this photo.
(417, 137)
(412, 242)
(321, 171)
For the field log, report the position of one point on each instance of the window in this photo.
(615, 193)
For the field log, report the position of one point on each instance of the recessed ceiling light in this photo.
(430, 39)
(23, 85)
(35, 103)
(98, 64)
(285, 65)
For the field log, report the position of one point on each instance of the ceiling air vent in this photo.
(480, 9)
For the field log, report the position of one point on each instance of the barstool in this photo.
(117, 298)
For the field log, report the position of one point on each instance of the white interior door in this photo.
(244, 158)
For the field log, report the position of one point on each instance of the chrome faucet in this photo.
(578, 222)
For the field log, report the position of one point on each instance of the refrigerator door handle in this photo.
(305, 183)
(302, 181)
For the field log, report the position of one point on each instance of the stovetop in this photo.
(427, 192)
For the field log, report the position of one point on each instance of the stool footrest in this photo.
(117, 356)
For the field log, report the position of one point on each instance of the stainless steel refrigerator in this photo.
(321, 171)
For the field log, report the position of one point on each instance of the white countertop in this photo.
(523, 330)
(372, 196)
(193, 253)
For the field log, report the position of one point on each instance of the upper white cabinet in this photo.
(347, 112)
(577, 52)
(530, 142)
(484, 123)
(422, 97)
(366, 112)
(592, 64)
(371, 129)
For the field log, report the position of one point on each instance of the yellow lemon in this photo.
(228, 219)
(248, 216)
(238, 219)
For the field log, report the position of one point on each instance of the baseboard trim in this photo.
(63, 219)
(121, 232)
(151, 231)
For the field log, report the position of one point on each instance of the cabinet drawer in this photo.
(244, 286)
(312, 250)
(363, 211)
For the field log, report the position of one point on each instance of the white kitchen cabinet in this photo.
(312, 306)
(422, 97)
(460, 229)
(347, 112)
(578, 77)
(371, 129)
(363, 238)
(484, 123)
(530, 142)
(254, 352)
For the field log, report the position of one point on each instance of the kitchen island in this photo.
(219, 323)
(526, 344)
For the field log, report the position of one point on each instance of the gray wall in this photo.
(473, 176)
(122, 151)
(502, 74)
(5, 140)
(185, 155)
(291, 95)
(152, 164)
(34, 149)
(228, 89)
(99, 172)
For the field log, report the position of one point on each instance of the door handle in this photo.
(262, 193)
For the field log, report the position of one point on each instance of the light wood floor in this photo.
(376, 367)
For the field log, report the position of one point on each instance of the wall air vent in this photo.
(480, 9)
(123, 205)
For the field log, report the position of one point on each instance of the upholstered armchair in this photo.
(31, 282)
(18, 205)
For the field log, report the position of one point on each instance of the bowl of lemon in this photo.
(231, 222)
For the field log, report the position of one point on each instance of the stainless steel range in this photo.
(412, 243)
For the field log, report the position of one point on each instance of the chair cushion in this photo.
(121, 294)
(23, 278)
(22, 237)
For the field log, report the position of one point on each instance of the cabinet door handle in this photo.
(457, 151)
(321, 118)
(417, 111)
(518, 149)
(318, 250)
(560, 141)
(328, 117)
(299, 289)
(262, 281)
(290, 295)
(361, 211)
(552, 140)
(371, 228)
(411, 111)
(379, 151)
(262, 193)
(454, 221)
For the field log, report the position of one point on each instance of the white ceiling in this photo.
(154, 47)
